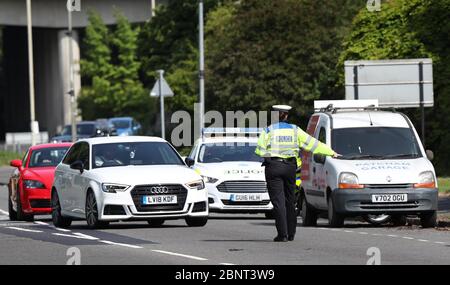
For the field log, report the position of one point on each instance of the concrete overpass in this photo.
(51, 60)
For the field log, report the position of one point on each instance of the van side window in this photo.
(323, 135)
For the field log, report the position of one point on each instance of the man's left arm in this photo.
(313, 145)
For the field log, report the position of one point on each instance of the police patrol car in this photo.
(383, 170)
(226, 159)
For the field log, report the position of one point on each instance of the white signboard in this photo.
(403, 83)
(165, 89)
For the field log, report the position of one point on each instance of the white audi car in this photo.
(125, 178)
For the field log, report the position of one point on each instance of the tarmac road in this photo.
(227, 239)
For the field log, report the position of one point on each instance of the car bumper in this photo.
(120, 206)
(359, 201)
(222, 202)
(36, 201)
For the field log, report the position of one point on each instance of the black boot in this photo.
(280, 239)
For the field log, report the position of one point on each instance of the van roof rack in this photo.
(332, 106)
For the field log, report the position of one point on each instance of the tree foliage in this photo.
(169, 42)
(110, 68)
(411, 29)
(262, 52)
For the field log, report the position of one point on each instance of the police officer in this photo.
(279, 144)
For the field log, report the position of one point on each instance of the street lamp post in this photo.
(201, 67)
(73, 108)
(33, 124)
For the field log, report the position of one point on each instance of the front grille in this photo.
(388, 186)
(173, 189)
(246, 203)
(114, 210)
(40, 203)
(242, 186)
(378, 206)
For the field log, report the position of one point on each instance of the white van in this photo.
(384, 169)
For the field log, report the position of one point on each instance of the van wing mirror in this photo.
(319, 158)
(430, 154)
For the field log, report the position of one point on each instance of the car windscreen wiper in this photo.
(404, 155)
(363, 156)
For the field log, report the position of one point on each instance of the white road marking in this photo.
(4, 213)
(363, 233)
(41, 223)
(85, 236)
(410, 238)
(224, 263)
(73, 236)
(180, 255)
(120, 244)
(439, 242)
(4, 218)
(347, 231)
(393, 236)
(423, 240)
(24, 230)
(62, 230)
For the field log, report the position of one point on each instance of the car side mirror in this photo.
(189, 161)
(16, 163)
(430, 154)
(77, 165)
(319, 158)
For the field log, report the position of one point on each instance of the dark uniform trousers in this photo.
(280, 178)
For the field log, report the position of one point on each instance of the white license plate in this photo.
(159, 200)
(389, 198)
(245, 197)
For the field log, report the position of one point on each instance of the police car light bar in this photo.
(345, 104)
(230, 131)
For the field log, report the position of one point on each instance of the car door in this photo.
(67, 176)
(80, 180)
(319, 170)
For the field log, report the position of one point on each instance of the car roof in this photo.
(50, 145)
(122, 139)
(120, 118)
(355, 119)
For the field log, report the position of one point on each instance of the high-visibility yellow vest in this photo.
(285, 141)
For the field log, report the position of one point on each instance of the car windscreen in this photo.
(47, 157)
(222, 152)
(375, 143)
(134, 153)
(121, 124)
(84, 129)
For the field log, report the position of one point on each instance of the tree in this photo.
(262, 52)
(169, 41)
(411, 29)
(110, 72)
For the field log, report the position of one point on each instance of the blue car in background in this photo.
(125, 126)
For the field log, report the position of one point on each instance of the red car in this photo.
(31, 182)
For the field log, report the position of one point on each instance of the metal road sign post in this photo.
(161, 89)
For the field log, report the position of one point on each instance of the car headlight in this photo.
(208, 179)
(426, 180)
(33, 184)
(114, 188)
(349, 180)
(198, 184)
